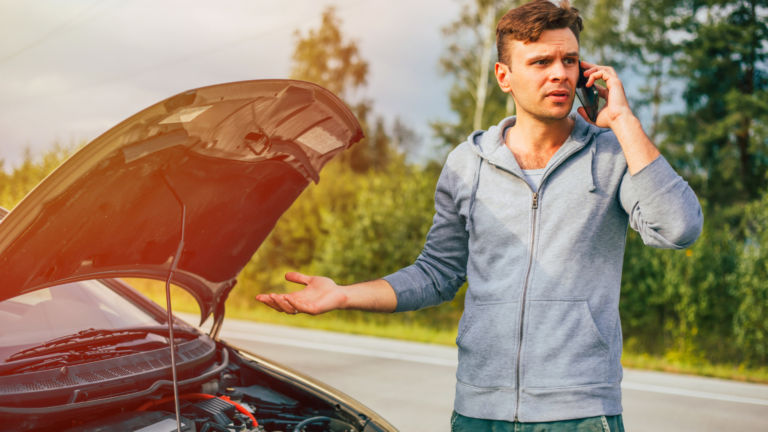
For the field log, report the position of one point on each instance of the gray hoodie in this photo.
(540, 338)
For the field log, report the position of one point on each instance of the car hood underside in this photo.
(234, 156)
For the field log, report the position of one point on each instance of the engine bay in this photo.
(230, 393)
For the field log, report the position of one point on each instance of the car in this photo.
(185, 192)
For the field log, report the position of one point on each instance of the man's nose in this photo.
(557, 72)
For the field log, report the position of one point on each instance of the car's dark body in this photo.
(218, 164)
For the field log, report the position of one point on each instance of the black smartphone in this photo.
(587, 95)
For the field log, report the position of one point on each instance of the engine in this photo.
(224, 404)
(233, 410)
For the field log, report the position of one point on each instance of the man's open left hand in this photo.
(616, 106)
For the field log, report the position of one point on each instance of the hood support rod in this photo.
(174, 264)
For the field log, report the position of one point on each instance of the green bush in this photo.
(17, 183)
(749, 286)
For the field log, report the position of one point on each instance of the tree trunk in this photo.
(743, 135)
(482, 78)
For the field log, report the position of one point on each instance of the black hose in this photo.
(306, 422)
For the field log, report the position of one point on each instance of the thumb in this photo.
(297, 278)
(583, 114)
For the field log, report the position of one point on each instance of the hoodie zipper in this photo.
(534, 207)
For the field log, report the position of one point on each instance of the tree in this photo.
(648, 46)
(709, 302)
(721, 139)
(474, 95)
(326, 58)
(603, 20)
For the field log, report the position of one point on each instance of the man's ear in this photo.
(503, 75)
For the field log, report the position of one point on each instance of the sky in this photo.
(69, 71)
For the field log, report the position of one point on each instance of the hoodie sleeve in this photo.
(661, 206)
(441, 268)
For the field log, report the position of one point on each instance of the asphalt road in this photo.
(412, 384)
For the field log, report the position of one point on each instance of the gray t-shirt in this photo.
(532, 177)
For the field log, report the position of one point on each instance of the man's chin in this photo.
(552, 116)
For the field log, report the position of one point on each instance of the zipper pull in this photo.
(535, 204)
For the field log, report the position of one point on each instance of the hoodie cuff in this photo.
(409, 297)
(653, 178)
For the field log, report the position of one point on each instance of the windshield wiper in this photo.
(62, 359)
(94, 337)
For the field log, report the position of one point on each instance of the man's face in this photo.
(543, 74)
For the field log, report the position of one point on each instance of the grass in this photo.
(183, 302)
(694, 367)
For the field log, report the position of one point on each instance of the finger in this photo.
(587, 65)
(589, 71)
(287, 308)
(583, 114)
(600, 74)
(297, 278)
(294, 303)
(299, 306)
(268, 301)
(278, 304)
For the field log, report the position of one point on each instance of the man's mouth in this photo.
(559, 95)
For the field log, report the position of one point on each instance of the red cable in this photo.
(194, 396)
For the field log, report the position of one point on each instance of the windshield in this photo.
(33, 318)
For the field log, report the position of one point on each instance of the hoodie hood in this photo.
(220, 164)
(489, 145)
(486, 143)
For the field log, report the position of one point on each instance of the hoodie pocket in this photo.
(563, 346)
(488, 345)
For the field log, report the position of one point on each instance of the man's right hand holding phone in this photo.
(617, 115)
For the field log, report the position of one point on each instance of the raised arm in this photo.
(661, 205)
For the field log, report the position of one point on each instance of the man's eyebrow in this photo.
(537, 57)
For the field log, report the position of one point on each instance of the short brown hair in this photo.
(525, 23)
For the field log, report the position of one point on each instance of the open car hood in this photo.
(236, 155)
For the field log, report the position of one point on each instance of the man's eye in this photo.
(570, 61)
(540, 62)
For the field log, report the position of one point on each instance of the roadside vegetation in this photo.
(704, 101)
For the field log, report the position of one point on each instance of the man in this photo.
(534, 213)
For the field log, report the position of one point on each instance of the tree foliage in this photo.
(721, 139)
(325, 57)
(462, 62)
(709, 302)
(17, 183)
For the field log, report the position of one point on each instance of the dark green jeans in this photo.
(460, 423)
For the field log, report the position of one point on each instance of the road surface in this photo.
(412, 384)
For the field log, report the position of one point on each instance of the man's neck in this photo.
(533, 142)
